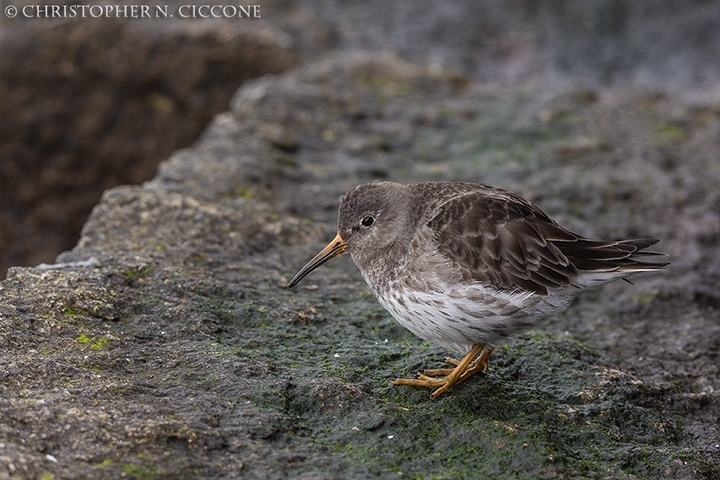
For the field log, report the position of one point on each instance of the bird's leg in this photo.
(480, 364)
(474, 361)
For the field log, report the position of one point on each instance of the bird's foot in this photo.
(441, 372)
(443, 379)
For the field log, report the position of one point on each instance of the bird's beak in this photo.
(333, 249)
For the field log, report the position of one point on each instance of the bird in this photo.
(468, 266)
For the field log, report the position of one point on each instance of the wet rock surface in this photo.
(166, 344)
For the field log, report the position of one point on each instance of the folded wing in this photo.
(500, 239)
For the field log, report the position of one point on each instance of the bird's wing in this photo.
(499, 238)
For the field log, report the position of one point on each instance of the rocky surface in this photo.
(663, 43)
(165, 344)
(88, 104)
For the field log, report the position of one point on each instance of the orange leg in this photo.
(476, 360)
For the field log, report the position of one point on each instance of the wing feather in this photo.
(498, 238)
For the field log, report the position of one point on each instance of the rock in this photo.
(88, 104)
(603, 43)
(179, 352)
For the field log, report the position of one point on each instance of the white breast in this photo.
(463, 316)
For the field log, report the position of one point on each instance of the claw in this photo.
(476, 360)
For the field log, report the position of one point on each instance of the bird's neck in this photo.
(374, 265)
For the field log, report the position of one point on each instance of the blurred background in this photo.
(90, 103)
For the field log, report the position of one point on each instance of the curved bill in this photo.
(333, 249)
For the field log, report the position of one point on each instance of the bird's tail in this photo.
(622, 257)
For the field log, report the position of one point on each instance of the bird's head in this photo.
(372, 217)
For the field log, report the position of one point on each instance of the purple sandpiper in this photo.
(467, 266)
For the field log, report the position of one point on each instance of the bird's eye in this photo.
(367, 221)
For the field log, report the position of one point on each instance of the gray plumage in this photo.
(467, 265)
